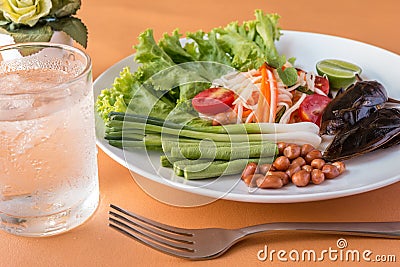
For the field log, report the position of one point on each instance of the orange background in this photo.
(113, 29)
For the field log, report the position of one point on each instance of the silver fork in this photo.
(203, 244)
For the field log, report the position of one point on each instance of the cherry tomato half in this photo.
(322, 83)
(213, 100)
(312, 107)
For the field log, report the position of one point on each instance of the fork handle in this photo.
(373, 229)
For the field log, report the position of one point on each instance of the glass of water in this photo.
(48, 159)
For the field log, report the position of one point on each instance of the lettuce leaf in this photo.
(172, 46)
(253, 42)
(246, 54)
(208, 48)
(151, 56)
(128, 94)
(117, 97)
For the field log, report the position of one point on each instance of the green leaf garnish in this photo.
(292, 60)
(280, 113)
(36, 34)
(276, 61)
(63, 8)
(304, 90)
(74, 27)
(288, 76)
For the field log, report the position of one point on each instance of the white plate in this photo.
(363, 174)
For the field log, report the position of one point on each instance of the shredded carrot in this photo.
(273, 86)
(265, 90)
(262, 114)
(241, 112)
(246, 112)
(251, 117)
(267, 104)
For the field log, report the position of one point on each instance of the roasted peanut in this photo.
(317, 163)
(270, 181)
(305, 149)
(301, 178)
(292, 151)
(264, 168)
(313, 154)
(292, 170)
(281, 163)
(250, 169)
(340, 165)
(281, 147)
(317, 176)
(307, 168)
(272, 168)
(330, 171)
(251, 180)
(282, 175)
(299, 161)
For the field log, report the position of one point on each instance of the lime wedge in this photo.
(340, 73)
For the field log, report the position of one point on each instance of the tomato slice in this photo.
(312, 107)
(213, 100)
(322, 83)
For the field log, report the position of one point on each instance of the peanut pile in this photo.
(301, 165)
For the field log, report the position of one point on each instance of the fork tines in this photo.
(163, 237)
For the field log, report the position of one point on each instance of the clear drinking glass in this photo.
(48, 159)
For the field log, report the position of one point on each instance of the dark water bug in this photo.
(359, 101)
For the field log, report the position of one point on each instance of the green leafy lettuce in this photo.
(171, 74)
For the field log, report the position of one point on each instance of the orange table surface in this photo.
(113, 29)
